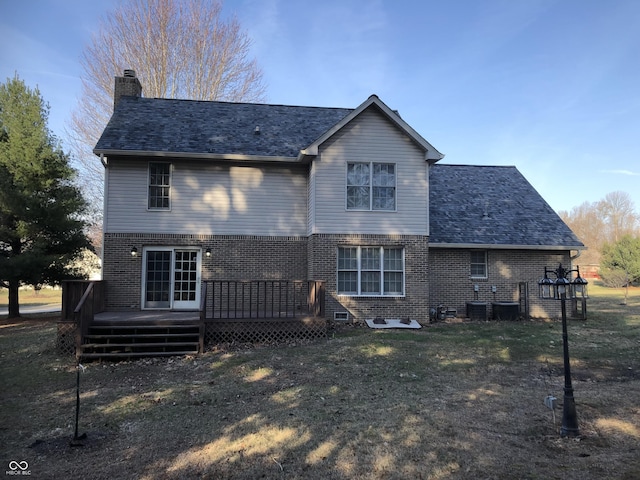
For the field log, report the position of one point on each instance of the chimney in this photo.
(126, 86)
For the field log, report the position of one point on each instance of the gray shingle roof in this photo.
(491, 205)
(206, 127)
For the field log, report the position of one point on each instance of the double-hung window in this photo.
(371, 271)
(478, 264)
(159, 186)
(371, 186)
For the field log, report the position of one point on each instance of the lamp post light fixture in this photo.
(560, 289)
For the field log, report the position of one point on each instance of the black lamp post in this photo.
(562, 288)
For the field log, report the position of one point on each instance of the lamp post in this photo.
(562, 288)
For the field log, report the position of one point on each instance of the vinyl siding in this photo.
(209, 199)
(369, 138)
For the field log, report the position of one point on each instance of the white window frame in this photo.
(172, 270)
(149, 185)
(472, 263)
(360, 270)
(371, 188)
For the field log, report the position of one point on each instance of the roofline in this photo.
(196, 156)
(431, 154)
(493, 246)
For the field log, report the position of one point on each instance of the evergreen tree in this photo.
(41, 225)
(622, 259)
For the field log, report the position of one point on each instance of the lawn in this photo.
(449, 401)
(28, 297)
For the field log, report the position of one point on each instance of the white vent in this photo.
(341, 316)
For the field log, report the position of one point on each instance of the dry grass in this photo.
(31, 298)
(451, 401)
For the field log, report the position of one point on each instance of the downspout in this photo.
(104, 162)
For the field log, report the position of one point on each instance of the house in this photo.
(206, 192)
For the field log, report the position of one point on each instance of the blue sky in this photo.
(550, 86)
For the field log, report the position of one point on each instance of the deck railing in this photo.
(238, 299)
(81, 300)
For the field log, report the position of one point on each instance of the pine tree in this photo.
(41, 225)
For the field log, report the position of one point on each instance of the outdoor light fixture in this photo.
(562, 288)
(134, 252)
(207, 252)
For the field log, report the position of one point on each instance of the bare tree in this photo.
(178, 49)
(618, 213)
(604, 222)
(586, 223)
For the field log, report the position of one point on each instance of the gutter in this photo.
(195, 156)
(493, 246)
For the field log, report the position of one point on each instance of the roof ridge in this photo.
(226, 102)
(471, 165)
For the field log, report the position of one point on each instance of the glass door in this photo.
(157, 292)
(186, 279)
(172, 278)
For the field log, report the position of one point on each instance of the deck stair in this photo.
(124, 339)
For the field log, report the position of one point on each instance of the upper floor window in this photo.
(371, 271)
(479, 264)
(371, 186)
(159, 185)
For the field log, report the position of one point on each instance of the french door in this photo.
(171, 278)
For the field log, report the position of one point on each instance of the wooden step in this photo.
(138, 345)
(94, 356)
(140, 335)
(146, 327)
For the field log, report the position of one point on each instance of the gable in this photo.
(374, 103)
(491, 206)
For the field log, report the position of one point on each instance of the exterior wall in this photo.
(451, 284)
(234, 257)
(415, 304)
(369, 138)
(209, 198)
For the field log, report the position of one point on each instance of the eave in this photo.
(493, 246)
(195, 156)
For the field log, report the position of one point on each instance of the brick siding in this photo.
(323, 250)
(452, 284)
(233, 257)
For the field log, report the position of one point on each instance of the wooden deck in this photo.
(146, 317)
(230, 311)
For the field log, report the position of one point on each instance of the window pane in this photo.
(393, 259)
(370, 282)
(370, 258)
(384, 198)
(348, 258)
(348, 282)
(384, 175)
(393, 283)
(358, 198)
(358, 174)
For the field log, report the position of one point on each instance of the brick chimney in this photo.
(126, 86)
